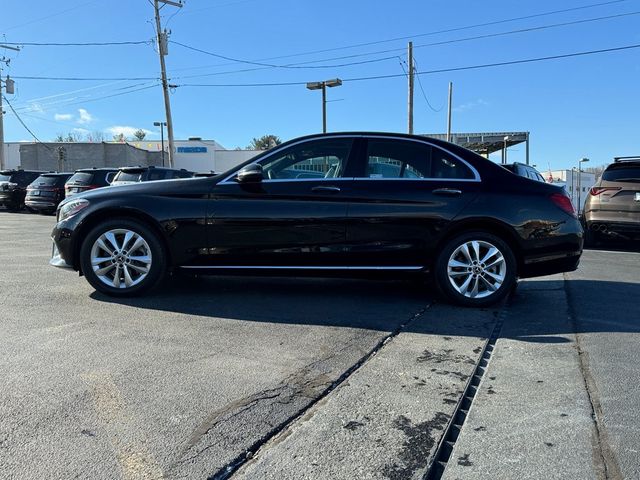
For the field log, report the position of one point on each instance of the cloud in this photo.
(84, 117)
(82, 131)
(127, 131)
(471, 105)
(62, 116)
(34, 107)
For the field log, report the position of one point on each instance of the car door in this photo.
(294, 217)
(405, 193)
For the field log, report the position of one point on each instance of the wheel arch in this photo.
(95, 218)
(487, 225)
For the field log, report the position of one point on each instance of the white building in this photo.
(577, 186)
(195, 154)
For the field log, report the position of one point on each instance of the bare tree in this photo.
(119, 138)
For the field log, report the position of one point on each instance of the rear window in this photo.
(128, 176)
(81, 177)
(622, 174)
(50, 180)
(5, 177)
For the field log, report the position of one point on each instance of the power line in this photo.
(426, 99)
(448, 30)
(50, 16)
(24, 124)
(302, 65)
(79, 44)
(85, 79)
(430, 72)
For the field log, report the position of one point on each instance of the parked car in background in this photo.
(46, 192)
(13, 187)
(205, 174)
(128, 175)
(526, 171)
(470, 224)
(612, 208)
(88, 179)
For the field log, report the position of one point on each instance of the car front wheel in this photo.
(476, 269)
(122, 257)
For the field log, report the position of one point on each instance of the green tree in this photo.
(140, 134)
(119, 138)
(265, 142)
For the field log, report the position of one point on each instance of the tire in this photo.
(14, 207)
(138, 271)
(480, 284)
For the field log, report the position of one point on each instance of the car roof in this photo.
(56, 174)
(97, 169)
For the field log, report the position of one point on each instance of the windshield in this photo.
(50, 180)
(131, 176)
(622, 174)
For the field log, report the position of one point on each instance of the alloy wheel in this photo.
(121, 258)
(477, 269)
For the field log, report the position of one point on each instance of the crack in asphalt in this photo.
(604, 459)
(303, 387)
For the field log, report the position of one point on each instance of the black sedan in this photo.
(324, 204)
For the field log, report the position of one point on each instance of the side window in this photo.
(157, 174)
(445, 165)
(310, 160)
(109, 177)
(397, 159)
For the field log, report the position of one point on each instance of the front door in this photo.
(294, 217)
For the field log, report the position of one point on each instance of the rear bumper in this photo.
(41, 204)
(567, 262)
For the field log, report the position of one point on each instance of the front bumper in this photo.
(56, 258)
(62, 250)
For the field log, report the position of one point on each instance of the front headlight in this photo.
(71, 208)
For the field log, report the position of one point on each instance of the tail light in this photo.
(564, 203)
(595, 191)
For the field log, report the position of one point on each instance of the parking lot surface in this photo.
(308, 378)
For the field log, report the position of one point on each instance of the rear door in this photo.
(404, 195)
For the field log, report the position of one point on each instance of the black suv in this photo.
(88, 179)
(525, 171)
(46, 192)
(128, 175)
(13, 187)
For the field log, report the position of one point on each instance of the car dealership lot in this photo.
(316, 378)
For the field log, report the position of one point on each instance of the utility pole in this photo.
(449, 112)
(9, 87)
(163, 43)
(410, 99)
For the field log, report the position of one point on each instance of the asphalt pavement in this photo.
(310, 378)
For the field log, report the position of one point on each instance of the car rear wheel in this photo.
(122, 257)
(476, 269)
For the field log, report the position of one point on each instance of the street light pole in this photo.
(582, 160)
(161, 125)
(336, 82)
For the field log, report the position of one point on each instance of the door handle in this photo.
(447, 192)
(326, 189)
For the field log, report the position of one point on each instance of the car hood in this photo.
(158, 187)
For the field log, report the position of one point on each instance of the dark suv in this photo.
(46, 192)
(526, 171)
(88, 179)
(13, 187)
(612, 209)
(128, 175)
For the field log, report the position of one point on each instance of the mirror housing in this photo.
(250, 174)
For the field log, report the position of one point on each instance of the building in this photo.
(195, 154)
(577, 186)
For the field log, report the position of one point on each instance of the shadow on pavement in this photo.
(605, 306)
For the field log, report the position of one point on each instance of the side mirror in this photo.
(250, 174)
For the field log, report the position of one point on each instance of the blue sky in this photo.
(573, 107)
